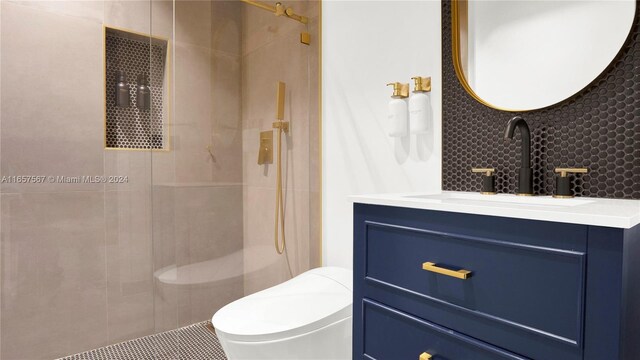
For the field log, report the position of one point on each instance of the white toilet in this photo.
(307, 317)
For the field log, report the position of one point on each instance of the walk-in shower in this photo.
(132, 202)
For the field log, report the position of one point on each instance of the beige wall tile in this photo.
(88, 10)
(131, 15)
(163, 226)
(162, 19)
(283, 60)
(226, 27)
(259, 233)
(193, 114)
(226, 142)
(50, 126)
(53, 278)
(136, 166)
(208, 221)
(272, 52)
(193, 22)
(129, 264)
(259, 27)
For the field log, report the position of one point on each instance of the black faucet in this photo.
(525, 176)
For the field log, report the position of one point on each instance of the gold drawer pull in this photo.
(425, 356)
(459, 274)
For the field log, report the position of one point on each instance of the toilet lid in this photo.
(309, 301)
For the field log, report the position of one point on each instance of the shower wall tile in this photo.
(204, 229)
(208, 222)
(263, 267)
(163, 166)
(193, 22)
(297, 229)
(129, 264)
(153, 17)
(226, 142)
(261, 27)
(162, 18)
(135, 165)
(226, 27)
(283, 60)
(272, 52)
(53, 280)
(87, 10)
(132, 15)
(50, 131)
(193, 112)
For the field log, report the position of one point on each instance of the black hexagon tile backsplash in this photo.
(599, 128)
(130, 128)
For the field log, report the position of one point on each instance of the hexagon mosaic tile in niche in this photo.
(129, 127)
(598, 128)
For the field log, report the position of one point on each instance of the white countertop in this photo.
(617, 213)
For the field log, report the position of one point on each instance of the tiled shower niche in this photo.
(130, 127)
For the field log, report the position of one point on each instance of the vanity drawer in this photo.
(392, 334)
(509, 284)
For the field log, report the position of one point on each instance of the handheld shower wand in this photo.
(281, 126)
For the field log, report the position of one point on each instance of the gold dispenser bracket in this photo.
(279, 10)
(400, 90)
(422, 83)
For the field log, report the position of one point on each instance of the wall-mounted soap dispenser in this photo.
(122, 89)
(143, 98)
(399, 110)
(420, 106)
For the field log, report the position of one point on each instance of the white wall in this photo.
(367, 44)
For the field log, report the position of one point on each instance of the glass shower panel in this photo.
(75, 199)
(119, 221)
(198, 192)
(214, 209)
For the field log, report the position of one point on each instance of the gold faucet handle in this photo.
(565, 171)
(425, 356)
(486, 171)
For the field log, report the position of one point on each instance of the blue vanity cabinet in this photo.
(533, 289)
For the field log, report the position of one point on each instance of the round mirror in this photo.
(519, 55)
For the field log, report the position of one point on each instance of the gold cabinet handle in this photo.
(459, 274)
(425, 356)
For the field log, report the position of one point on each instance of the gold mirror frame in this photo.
(460, 8)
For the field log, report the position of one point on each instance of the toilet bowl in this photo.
(307, 317)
